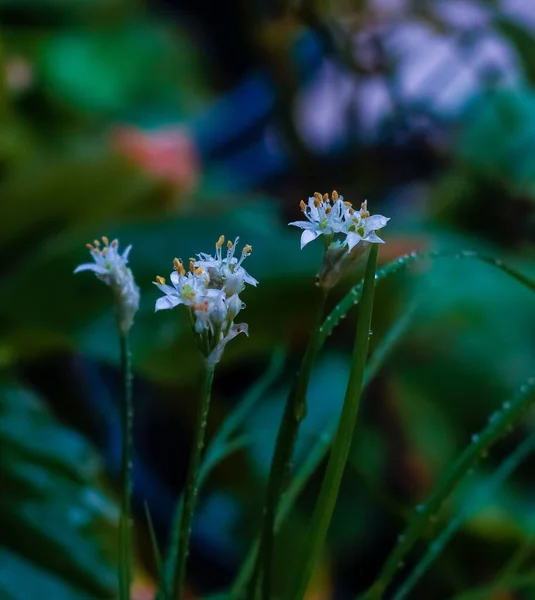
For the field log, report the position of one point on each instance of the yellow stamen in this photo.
(351, 211)
(114, 244)
(96, 242)
(191, 265)
(220, 242)
(347, 204)
(198, 271)
(247, 249)
(325, 197)
(328, 210)
(179, 267)
(104, 251)
(335, 195)
(229, 244)
(365, 214)
(302, 205)
(90, 247)
(105, 240)
(318, 196)
(160, 280)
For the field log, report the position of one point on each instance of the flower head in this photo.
(324, 217)
(227, 272)
(210, 291)
(110, 266)
(361, 226)
(338, 221)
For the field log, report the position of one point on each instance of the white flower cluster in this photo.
(210, 290)
(334, 218)
(110, 266)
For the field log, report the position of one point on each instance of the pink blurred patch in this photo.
(168, 155)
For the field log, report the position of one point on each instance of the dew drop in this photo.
(370, 333)
(506, 405)
(376, 276)
(494, 417)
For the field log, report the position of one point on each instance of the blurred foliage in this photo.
(58, 523)
(75, 73)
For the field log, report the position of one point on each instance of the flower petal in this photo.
(304, 224)
(372, 237)
(166, 289)
(376, 222)
(125, 254)
(308, 236)
(250, 280)
(167, 302)
(352, 240)
(91, 267)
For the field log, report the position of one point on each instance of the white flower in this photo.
(362, 227)
(337, 219)
(227, 273)
(110, 266)
(210, 291)
(323, 217)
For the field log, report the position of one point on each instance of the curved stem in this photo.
(294, 413)
(324, 509)
(192, 483)
(125, 523)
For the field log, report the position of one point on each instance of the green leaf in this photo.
(58, 524)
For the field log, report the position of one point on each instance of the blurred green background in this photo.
(166, 123)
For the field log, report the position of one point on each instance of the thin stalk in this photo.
(294, 413)
(192, 484)
(324, 509)
(320, 448)
(125, 522)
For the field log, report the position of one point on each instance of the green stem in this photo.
(324, 509)
(320, 448)
(294, 413)
(192, 483)
(125, 523)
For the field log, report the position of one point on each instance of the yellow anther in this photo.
(335, 195)
(198, 271)
(247, 249)
(365, 214)
(104, 251)
(179, 267)
(89, 247)
(96, 242)
(191, 265)
(347, 204)
(351, 211)
(328, 210)
(318, 196)
(364, 205)
(160, 280)
(105, 240)
(325, 197)
(220, 242)
(302, 206)
(229, 244)
(114, 244)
